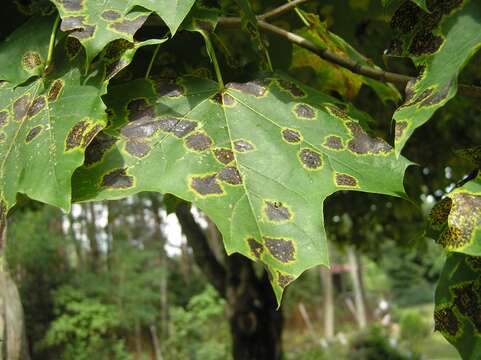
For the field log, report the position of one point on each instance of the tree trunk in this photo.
(256, 325)
(328, 292)
(357, 288)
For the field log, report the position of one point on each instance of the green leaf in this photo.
(259, 159)
(458, 300)
(441, 42)
(456, 220)
(24, 52)
(330, 76)
(173, 12)
(45, 126)
(97, 23)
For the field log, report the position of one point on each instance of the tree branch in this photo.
(326, 54)
(281, 9)
(203, 255)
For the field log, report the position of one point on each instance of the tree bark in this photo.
(256, 326)
(357, 288)
(328, 292)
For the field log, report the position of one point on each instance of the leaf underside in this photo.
(440, 42)
(259, 159)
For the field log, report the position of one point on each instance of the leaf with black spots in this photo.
(231, 155)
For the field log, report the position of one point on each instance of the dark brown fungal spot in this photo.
(406, 17)
(116, 48)
(114, 68)
(87, 31)
(225, 156)
(440, 212)
(72, 47)
(305, 111)
(90, 135)
(31, 60)
(291, 136)
(55, 89)
(333, 142)
(361, 143)
(345, 180)
(464, 219)
(178, 127)
(336, 111)
(3, 118)
(110, 15)
(20, 107)
(224, 99)
(423, 95)
(98, 147)
(137, 148)
(399, 129)
(257, 88)
(166, 88)
(206, 185)
(281, 249)
(117, 179)
(140, 109)
(284, 279)
(437, 96)
(140, 128)
(37, 105)
(256, 247)
(129, 27)
(230, 175)
(425, 42)
(474, 262)
(467, 301)
(72, 23)
(71, 5)
(291, 88)
(445, 321)
(276, 211)
(75, 136)
(242, 145)
(198, 141)
(310, 159)
(33, 133)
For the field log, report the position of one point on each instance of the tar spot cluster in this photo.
(3, 118)
(140, 128)
(166, 88)
(276, 211)
(291, 88)
(54, 90)
(425, 42)
(291, 136)
(75, 135)
(178, 127)
(464, 219)
(230, 175)
(116, 48)
(206, 185)
(72, 5)
(474, 262)
(224, 99)
(110, 15)
(440, 212)
(140, 109)
(467, 301)
(137, 148)
(198, 141)
(361, 143)
(399, 129)
(436, 96)
(256, 247)
(117, 179)
(31, 60)
(223, 155)
(33, 133)
(37, 105)
(91, 134)
(129, 27)
(78, 27)
(445, 321)
(333, 142)
(20, 107)
(243, 146)
(72, 47)
(305, 111)
(284, 279)
(406, 17)
(258, 88)
(336, 111)
(281, 249)
(345, 180)
(310, 159)
(98, 147)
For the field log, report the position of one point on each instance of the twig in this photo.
(51, 45)
(281, 9)
(354, 66)
(152, 60)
